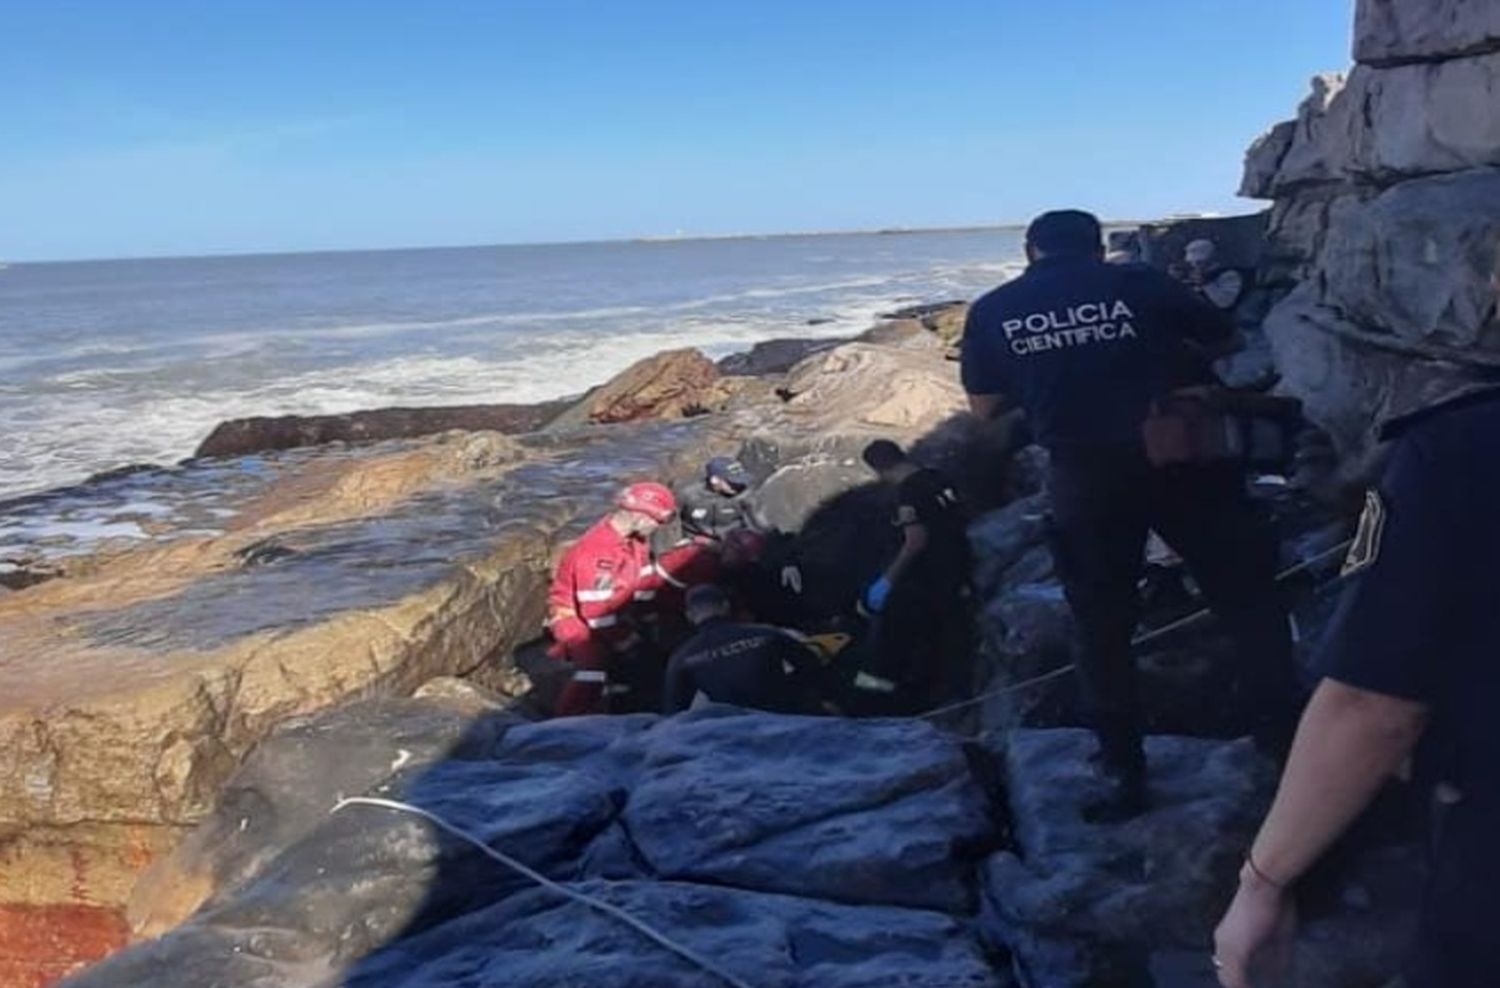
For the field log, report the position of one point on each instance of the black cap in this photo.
(1066, 231)
(727, 469)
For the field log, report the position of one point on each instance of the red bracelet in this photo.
(1255, 870)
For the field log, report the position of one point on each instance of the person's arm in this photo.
(1349, 743)
(677, 689)
(1200, 324)
(982, 367)
(914, 539)
(1393, 633)
(986, 407)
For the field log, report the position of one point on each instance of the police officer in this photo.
(747, 665)
(721, 504)
(1411, 655)
(1086, 348)
(920, 601)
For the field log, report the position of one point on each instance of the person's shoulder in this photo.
(1002, 297)
(1472, 412)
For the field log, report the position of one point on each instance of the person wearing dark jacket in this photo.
(1410, 670)
(721, 504)
(1090, 351)
(747, 665)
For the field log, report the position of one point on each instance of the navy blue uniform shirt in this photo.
(1420, 619)
(1085, 347)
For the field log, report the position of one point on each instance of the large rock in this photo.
(1348, 379)
(1263, 160)
(241, 437)
(285, 790)
(1076, 898)
(1392, 31)
(673, 384)
(773, 356)
(766, 940)
(1422, 261)
(1413, 120)
(1307, 161)
(786, 804)
(130, 689)
(700, 822)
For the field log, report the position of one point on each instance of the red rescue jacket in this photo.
(595, 583)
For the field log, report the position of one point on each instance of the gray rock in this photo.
(1297, 231)
(791, 494)
(1419, 261)
(1000, 539)
(1263, 160)
(1306, 162)
(536, 939)
(1390, 31)
(1413, 120)
(1350, 380)
(788, 804)
(1158, 880)
(774, 356)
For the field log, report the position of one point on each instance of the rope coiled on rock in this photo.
(589, 901)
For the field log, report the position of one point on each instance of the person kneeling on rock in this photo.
(757, 666)
(594, 587)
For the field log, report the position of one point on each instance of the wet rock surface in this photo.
(241, 437)
(823, 851)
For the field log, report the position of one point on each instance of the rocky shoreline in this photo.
(198, 664)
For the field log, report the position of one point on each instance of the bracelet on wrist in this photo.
(1260, 875)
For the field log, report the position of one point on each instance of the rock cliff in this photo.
(1385, 232)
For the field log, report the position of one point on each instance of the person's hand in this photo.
(1255, 934)
(791, 578)
(875, 597)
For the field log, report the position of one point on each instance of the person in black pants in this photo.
(921, 650)
(1087, 348)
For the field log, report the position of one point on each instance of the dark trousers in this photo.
(923, 642)
(1104, 502)
(1457, 946)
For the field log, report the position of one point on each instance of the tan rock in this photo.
(670, 385)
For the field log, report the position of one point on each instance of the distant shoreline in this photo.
(647, 240)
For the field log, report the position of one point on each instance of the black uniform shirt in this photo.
(1085, 347)
(1421, 618)
(748, 665)
(926, 498)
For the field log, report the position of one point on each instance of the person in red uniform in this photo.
(595, 584)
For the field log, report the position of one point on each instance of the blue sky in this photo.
(141, 127)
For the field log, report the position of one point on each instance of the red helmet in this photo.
(652, 500)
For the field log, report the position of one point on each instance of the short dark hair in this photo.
(1066, 231)
(883, 454)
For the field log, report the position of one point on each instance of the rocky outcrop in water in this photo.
(242, 437)
(674, 384)
(1386, 224)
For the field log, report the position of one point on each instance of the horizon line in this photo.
(646, 239)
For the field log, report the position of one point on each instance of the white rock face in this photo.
(1263, 160)
(1387, 31)
(1306, 161)
(1388, 124)
(1422, 261)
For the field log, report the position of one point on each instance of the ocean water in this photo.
(109, 363)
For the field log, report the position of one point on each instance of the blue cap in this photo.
(727, 469)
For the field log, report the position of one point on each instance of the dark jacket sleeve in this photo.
(982, 361)
(1183, 311)
(678, 689)
(1398, 618)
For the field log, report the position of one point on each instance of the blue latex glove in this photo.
(876, 595)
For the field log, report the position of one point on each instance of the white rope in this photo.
(1145, 639)
(686, 953)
